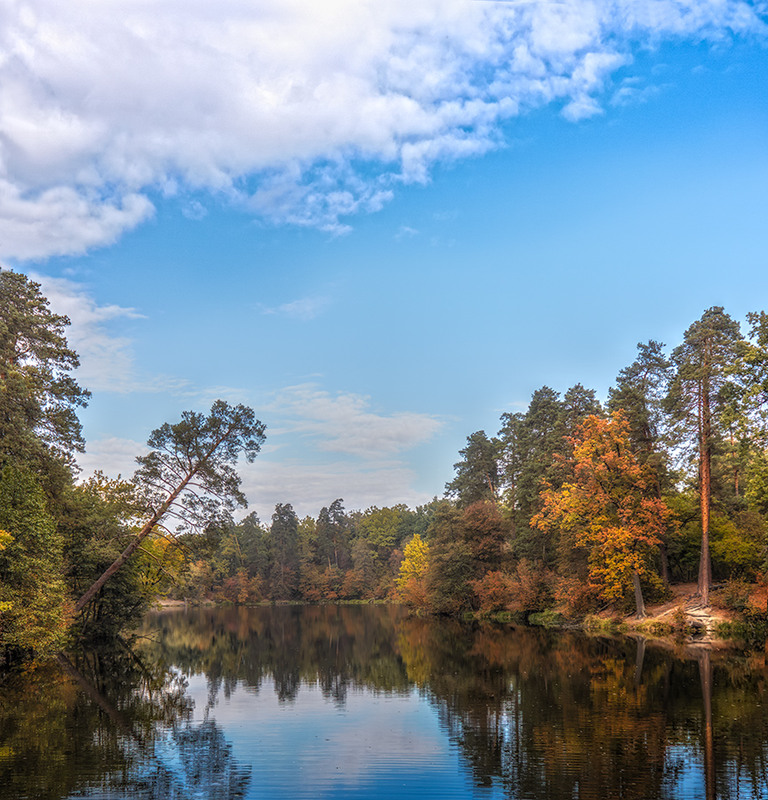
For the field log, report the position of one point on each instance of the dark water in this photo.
(362, 702)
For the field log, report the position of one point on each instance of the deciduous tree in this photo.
(33, 603)
(410, 581)
(607, 507)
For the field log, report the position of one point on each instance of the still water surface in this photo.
(364, 702)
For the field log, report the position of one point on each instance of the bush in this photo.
(734, 596)
(576, 598)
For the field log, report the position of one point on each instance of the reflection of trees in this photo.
(566, 716)
(333, 647)
(534, 713)
(544, 714)
(734, 725)
(550, 716)
(116, 724)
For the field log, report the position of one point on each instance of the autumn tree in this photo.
(529, 443)
(639, 394)
(607, 508)
(189, 475)
(410, 580)
(464, 544)
(700, 394)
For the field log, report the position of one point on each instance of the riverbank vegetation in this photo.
(573, 507)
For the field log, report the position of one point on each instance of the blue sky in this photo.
(379, 225)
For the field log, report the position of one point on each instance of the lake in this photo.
(367, 702)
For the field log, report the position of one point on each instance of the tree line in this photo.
(573, 504)
(606, 503)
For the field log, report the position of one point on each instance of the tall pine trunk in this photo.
(705, 479)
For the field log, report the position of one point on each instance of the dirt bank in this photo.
(683, 612)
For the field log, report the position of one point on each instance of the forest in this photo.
(573, 506)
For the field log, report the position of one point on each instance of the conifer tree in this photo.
(39, 397)
(701, 386)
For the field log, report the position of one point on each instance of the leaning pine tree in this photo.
(189, 475)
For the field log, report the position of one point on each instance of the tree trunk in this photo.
(132, 547)
(639, 604)
(664, 563)
(705, 477)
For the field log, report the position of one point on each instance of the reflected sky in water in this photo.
(374, 745)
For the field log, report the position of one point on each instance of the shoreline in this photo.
(682, 620)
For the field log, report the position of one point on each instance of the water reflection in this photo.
(111, 725)
(363, 701)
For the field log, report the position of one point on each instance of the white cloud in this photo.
(406, 232)
(305, 308)
(370, 467)
(106, 361)
(112, 456)
(302, 112)
(309, 487)
(343, 423)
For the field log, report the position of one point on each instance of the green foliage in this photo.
(450, 566)
(332, 536)
(189, 476)
(383, 527)
(757, 483)
(33, 605)
(639, 394)
(547, 619)
(684, 541)
(284, 553)
(465, 543)
(97, 522)
(705, 410)
(529, 442)
(192, 463)
(477, 474)
(737, 545)
(39, 429)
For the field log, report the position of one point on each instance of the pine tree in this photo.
(698, 398)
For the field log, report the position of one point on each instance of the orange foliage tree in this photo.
(608, 508)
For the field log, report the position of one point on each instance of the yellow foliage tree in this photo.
(410, 581)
